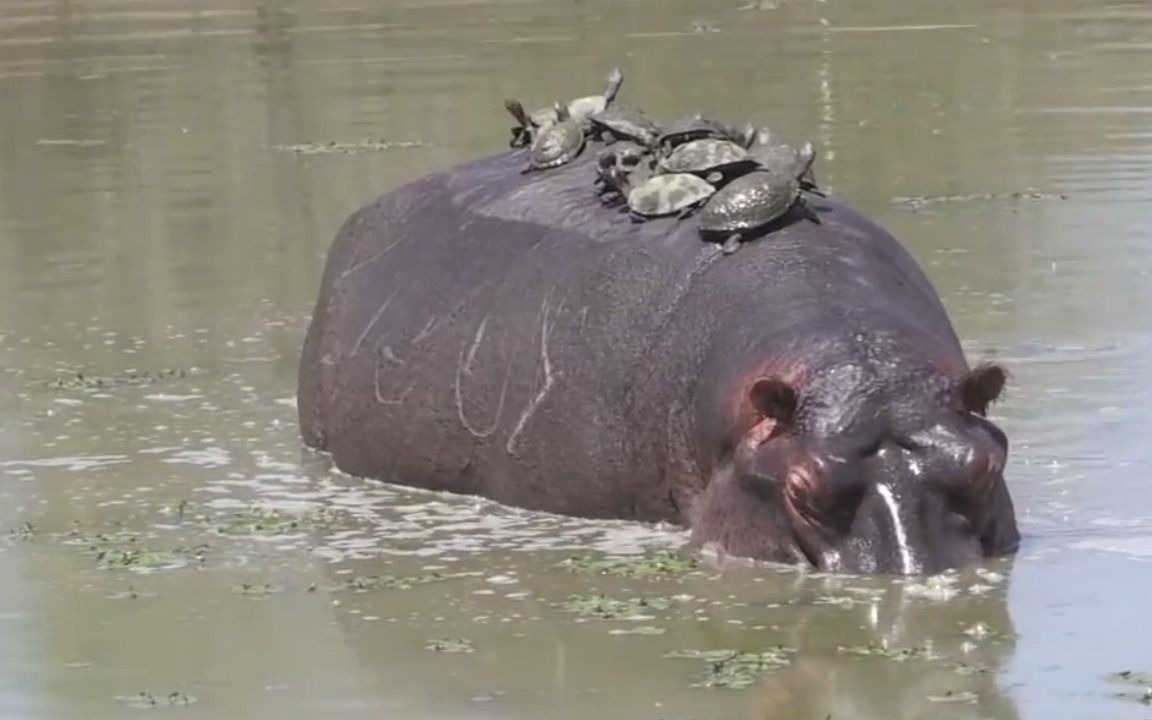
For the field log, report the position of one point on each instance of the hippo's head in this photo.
(891, 479)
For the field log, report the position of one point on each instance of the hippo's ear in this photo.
(981, 386)
(774, 398)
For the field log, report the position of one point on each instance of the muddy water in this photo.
(170, 176)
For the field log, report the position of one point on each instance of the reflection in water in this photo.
(156, 213)
(917, 658)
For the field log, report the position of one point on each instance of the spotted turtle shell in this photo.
(667, 194)
(701, 156)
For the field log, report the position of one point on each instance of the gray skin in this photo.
(483, 332)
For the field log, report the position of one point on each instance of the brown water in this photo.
(156, 214)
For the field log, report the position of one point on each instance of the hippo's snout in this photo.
(907, 487)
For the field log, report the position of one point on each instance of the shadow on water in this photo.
(803, 646)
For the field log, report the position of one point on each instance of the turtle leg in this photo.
(732, 244)
(688, 211)
(810, 212)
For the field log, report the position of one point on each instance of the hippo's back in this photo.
(488, 332)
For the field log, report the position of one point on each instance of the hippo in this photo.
(492, 333)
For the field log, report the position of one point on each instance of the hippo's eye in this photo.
(870, 449)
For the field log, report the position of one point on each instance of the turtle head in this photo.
(516, 110)
(746, 136)
(615, 80)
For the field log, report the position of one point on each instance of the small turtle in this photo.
(672, 194)
(749, 203)
(696, 127)
(531, 124)
(624, 124)
(617, 165)
(711, 158)
(557, 144)
(624, 155)
(583, 108)
(745, 136)
(777, 156)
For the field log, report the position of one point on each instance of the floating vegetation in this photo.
(900, 653)
(451, 645)
(608, 608)
(964, 696)
(257, 590)
(146, 700)
(364, 583)
(130, 594)
(919, 201)
(142, 559)
(642, 630)
(653, 563)
(258, 520)
(845, 601)
(735, 669)
(81, 381)
(937, 587)
(365, 145)
(962, 668)
(23, 531)
(1130, 677)
(99, 540)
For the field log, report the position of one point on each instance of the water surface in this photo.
(171, 174)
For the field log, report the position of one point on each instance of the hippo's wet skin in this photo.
(804, 400)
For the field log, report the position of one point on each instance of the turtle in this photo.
(744, 136)
(710, 158)
(617, 123)
(625, 155)
(625, 124)
(617, 165)
(774, 155)
(557, 144)
(582, 108)
(670, 194)
(753, 201)
(531, 124)
(691, 128)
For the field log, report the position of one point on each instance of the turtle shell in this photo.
(668, 194)
(626, 125)
(692, 128)
(556, 145)
(703, 156)
(749, 202)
